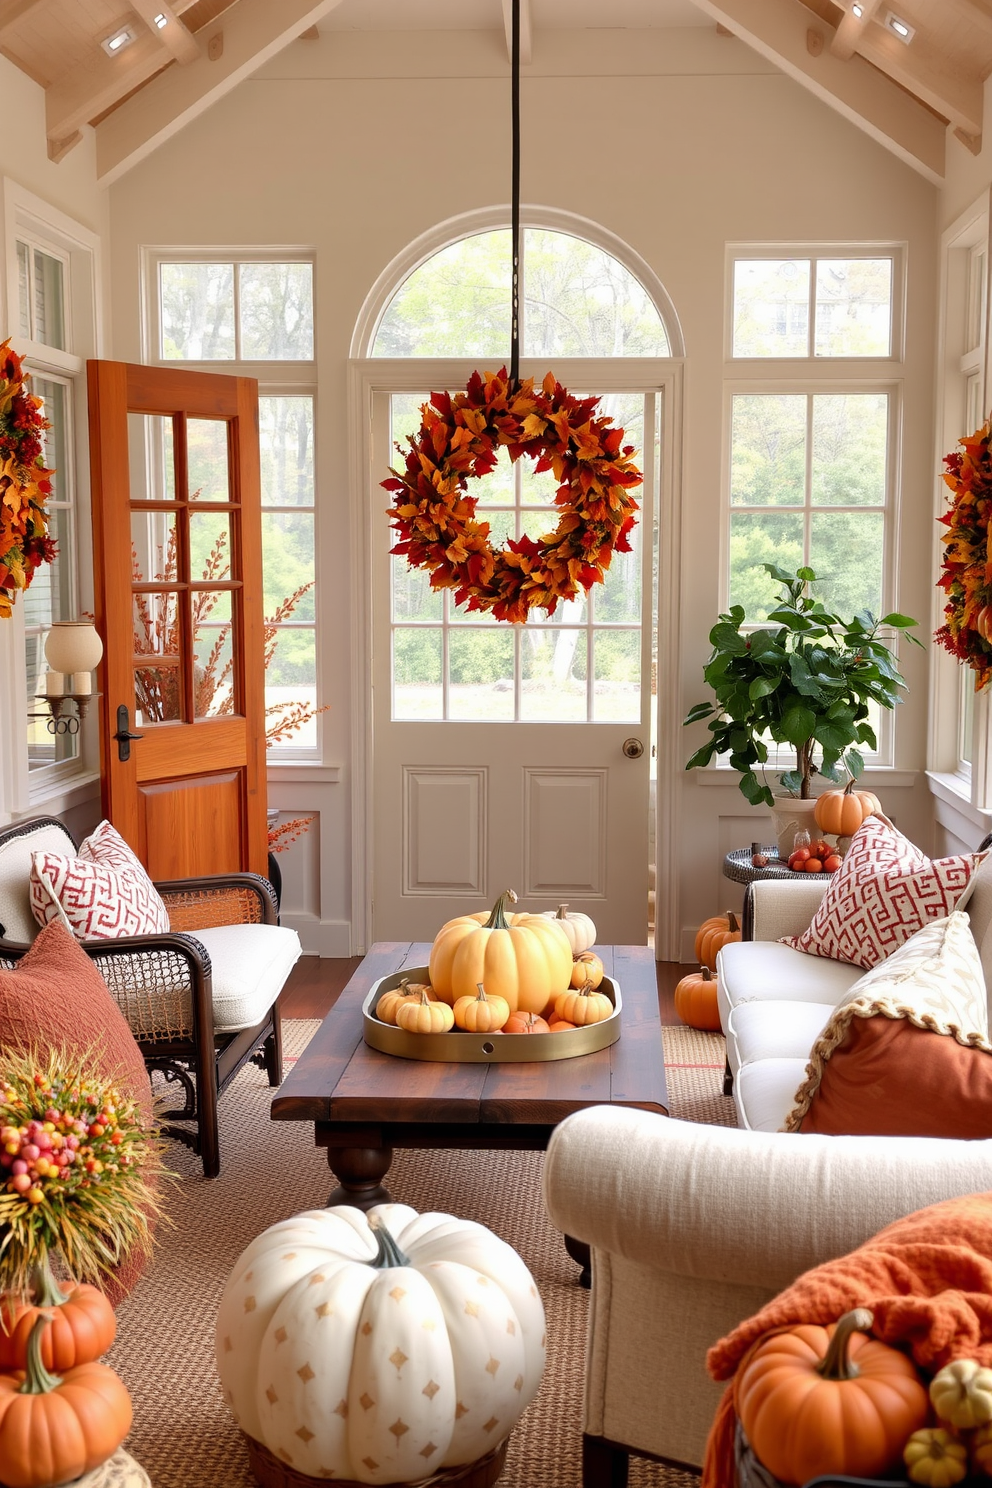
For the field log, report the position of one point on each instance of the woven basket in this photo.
(753, 1474)
(271, 1472)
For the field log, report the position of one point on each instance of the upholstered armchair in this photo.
(200, 1000)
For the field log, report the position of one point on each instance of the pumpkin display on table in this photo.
(55, 1428)
(380, 1348)
(817, 1401)
(841, 812)
(579, 928)
(712, 935)
(695, 1000)
(525, 958)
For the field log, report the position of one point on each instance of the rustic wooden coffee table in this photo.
(363, 1104)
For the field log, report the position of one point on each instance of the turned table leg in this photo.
(359, 1171)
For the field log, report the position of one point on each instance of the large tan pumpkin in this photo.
(379, 1348)
(528, 961)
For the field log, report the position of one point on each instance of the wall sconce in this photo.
(73, 651)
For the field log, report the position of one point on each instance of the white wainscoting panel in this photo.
(565, 828)
(445, 825)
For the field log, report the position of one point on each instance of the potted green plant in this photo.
(806, 679)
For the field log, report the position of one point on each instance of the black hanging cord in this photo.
(515, 196)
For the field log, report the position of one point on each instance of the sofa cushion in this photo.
(777, 1030)
(906, 1047)
(100, 893)
(249, 963)
(765, 1092)
(768, 971)
(17, 923)
(884, 891)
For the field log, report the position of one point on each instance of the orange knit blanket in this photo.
(927, 1279)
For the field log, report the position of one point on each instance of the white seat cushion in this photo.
(775, 1030)
(764, 970)
(765, 1092)
(250, 966)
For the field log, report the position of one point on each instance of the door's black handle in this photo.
(124, 734)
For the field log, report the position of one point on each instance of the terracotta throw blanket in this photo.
(927, 1279)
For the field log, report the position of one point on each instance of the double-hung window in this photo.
(813, 372)
(254, 316)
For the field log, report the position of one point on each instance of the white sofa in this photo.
(692, 1229)
(774, 1001)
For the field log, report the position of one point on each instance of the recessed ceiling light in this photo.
(899, 27)
(115, 43)
(857, 12)
(161, 20)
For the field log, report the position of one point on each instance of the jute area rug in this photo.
(183, 1434)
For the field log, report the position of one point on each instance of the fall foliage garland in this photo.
(459, 440)
(966, 575)
(25, 483)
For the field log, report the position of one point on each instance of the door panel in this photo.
(178, 559)
(499, 757)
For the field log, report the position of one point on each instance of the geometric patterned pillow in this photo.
(868, 1069)
(884, 891)
(101, 894)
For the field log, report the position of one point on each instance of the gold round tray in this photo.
(457, 1047)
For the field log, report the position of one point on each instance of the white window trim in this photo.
(281, 379)
(948, 774)
(29, 217)
(897, 251)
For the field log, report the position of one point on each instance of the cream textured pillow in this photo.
(884, 891)
(933, 983)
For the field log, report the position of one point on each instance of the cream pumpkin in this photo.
(579, 928)
(379, 1347)
(527, 962)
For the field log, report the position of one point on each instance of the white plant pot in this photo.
(792, 815)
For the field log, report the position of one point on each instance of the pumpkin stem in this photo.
(37, 1380)
(45, 1290)
(482, 993)
(705, 973)
(835, 1364)
(389, 1253)
(497, 920)
(733, 925)
(562, 913)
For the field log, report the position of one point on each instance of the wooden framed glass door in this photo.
(178, 569)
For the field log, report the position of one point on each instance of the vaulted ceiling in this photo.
(903, 70)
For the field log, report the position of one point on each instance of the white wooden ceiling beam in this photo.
(777, 29)
(97, 84)
(526, 33)
(181, 44)
(955, 95)
(253, 31)
(852, 28)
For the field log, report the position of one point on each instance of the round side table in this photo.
(737, 866)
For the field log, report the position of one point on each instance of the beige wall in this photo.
(357, 143)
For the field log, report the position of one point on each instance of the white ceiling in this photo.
(487, 15)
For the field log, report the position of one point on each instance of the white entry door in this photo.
(512, 756)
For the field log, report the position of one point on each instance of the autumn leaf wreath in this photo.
(459, 440)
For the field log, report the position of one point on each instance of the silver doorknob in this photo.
(633, 748)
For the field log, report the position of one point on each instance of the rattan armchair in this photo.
(187, 995)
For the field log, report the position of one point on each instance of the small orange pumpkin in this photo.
(560, 1025)
(695, 1000)
(390, 1002)
(713, 935)
(583, 1007)
(829, 1401)
(587, 971)
(82, 1323)
(525, 1023)
(55, 1429)
(420, 1015)
(481, 1014)
(841, 812)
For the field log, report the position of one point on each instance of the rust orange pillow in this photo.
(55, 996)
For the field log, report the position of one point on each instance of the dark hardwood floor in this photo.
(314, 985)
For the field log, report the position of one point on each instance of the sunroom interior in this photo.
(758, 234)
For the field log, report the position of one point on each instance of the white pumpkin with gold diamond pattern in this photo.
(379, 1347)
